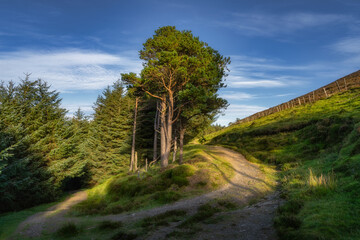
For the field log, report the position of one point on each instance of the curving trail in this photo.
(37, 223)
(248, 183)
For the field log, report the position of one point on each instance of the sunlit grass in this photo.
(201, 172)
(322, 181)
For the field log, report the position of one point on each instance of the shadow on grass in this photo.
(237, 171)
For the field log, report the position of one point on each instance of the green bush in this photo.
(68, 230)
(167, 196)
(121, 235)
(109, 225)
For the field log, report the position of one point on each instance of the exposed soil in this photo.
(249, 223)
(253, 222)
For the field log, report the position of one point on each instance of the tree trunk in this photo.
(156, 129)
(136, 162)
(167, 113)
(132, 167)
(163, 160)
(175, 149)
(181, 143)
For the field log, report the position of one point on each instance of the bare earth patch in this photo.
(248, 184)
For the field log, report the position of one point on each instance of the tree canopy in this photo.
(178, 65)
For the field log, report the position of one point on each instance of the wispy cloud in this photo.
(348, 45)
(284, 95)
(232, 95)
(69, 69)
(264, 24)
(250, 72)
(240, 111)
(238, 82)
(72, 108)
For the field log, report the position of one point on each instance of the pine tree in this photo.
(30, 117)
(108, 143)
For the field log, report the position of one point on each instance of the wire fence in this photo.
(343, 84)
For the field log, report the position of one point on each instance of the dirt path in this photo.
(247, 184)
(35, 224)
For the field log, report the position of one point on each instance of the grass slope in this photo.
(317, 146)
(200, 173)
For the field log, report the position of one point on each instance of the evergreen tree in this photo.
(174, 62)
(69, 168)
(108, 144)
(30, 117)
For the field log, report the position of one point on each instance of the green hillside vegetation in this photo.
(126, 192)
(317, 147)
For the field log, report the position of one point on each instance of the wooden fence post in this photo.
(338, 85)
(325, 93)
(345, 85)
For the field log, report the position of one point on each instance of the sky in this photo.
(279, 49)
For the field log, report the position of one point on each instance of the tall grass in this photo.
(326, 181)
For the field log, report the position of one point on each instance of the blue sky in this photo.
(279, 49)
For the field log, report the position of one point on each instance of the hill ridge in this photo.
(340, 85)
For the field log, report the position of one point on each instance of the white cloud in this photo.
(250, 72)
(72, 108)
(231, 95)
(348, 45)
(69, 69)
(263, 24)
(237, 82)
(284, 95)
(240, 111)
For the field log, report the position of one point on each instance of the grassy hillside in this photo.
(200, 173)
(317, 146)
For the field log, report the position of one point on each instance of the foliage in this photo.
(42, 152)
(108, 225)
(107, 146)
(32, 128)
(155, 187)
(184, 74)
(317, 147)
(121, 235)
(68, 229)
